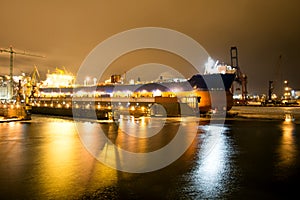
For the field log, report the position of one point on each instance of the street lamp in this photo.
(86, 81)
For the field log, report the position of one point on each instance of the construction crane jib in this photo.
(11, 51)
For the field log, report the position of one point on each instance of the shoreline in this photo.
(7, 120)
(236, 113)
(269, 113)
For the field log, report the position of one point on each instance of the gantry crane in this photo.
(12, 52)
(240, 78)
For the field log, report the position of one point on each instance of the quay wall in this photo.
(19, 111)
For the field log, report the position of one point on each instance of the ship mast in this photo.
(12, 52)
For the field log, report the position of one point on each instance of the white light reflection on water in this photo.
(213, 167)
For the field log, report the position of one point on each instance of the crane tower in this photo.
(12, 52)
(240, 78)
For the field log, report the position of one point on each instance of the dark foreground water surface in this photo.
(46, 158)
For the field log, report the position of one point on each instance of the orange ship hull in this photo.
(220, 100)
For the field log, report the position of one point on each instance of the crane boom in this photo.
(12, 52)
(241, 78)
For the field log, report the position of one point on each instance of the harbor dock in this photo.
(14, 112)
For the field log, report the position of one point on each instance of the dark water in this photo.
(242, 159)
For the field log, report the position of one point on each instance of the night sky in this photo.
(66, 31)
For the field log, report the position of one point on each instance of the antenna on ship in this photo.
(11, 51)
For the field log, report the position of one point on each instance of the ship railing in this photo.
(99, 99)
(117, 99)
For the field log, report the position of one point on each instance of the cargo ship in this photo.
(172, 97)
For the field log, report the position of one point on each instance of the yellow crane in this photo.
(11, 51)
(31, 84)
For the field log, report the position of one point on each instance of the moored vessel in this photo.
(173, 97)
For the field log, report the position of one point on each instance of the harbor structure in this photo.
(59, 95)
(11, 91)
(173, 97)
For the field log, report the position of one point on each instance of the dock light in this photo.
(157, 93)
(86, 81)
(274, 96)
(132, 108)
(288, 117)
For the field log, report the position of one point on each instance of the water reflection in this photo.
(58, 158)
(11, 151)
(287, 151)
(213, 169)
(50, 158)
(111, 145)
(141, 127)
(45, 159)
